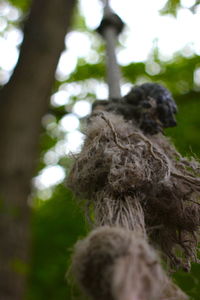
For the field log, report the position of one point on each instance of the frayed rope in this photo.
(144, 188)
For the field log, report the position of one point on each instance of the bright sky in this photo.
(144, 26)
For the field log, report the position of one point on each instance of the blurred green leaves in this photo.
(186, 135)
(21, 4)
(189, 282)
(56, 224)
(176, 74)
(171, 7)
(86, 71)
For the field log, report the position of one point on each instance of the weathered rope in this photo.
(137, 182)
(140, 189)
(116, 264)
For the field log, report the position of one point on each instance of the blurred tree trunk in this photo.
(23, 102)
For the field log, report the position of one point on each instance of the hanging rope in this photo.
(140, 189)
(111, 26)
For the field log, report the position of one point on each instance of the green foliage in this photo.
(86, 71)
(189, 282)
(186, 135)
(133, 71)
(57, 224)
(79, 21)
(47, 141)
(171, 7)
(177, 74)
(21, 4)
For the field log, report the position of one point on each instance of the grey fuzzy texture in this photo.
(117, 264)
(139, 182)
(150, 106)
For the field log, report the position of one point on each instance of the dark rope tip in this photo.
(149, 105)
(155, 107)
(111, 20)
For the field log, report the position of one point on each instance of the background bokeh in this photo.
(160, 43)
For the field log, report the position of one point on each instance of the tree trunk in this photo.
(23, 102)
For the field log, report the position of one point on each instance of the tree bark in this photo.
(23, 102)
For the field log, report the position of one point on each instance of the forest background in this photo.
(56, 219)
